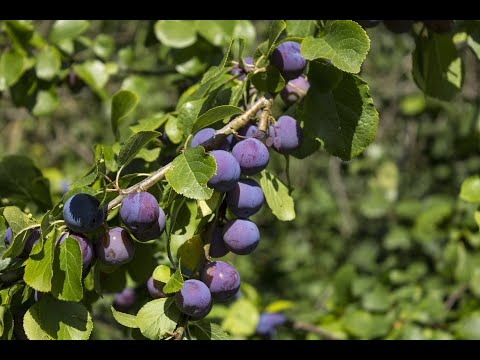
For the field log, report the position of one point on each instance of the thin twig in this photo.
(454, 297)
(300, 325)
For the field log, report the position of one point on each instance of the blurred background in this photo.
(381, 246)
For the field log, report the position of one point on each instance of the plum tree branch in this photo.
(211, 144)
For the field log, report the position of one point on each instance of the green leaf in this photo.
(203, 330)
(173, 131)
(48, 63)
(474, 283)
(269, 81)
(191, 252)
(18, 221)
(149, 155)
(6, 295)
(376, 300)
(302, 28)
(46, 102)
(244, 29)
(365, 325)
(437, 66)
(468, 328)
(207, 207)
(127, 320)
(175, 283)
(277, 197)
(67, 29)
(237, 93)
(189, 173)
(276, 29)
(183, 223)
(158, 318)
(339, 110)
(103, 46)
(215, 114)
(216, 71)
(162, 273)
(21, 34)
(241, 318)
(188, 114)
(176, 33)
(150, 123)
(217, 32)
(6, 323)
(123, 103)
(39, 267)
(11, 68)
(95, 74)
(58, 320)
(87, 180)
(134, 144)
(343, 42)
(470, 190)
(67, 274)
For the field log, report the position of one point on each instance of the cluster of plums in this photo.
(403, 26)
(83, 216)
(237, 159)
(287, 58)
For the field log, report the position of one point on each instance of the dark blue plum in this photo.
(295, 90)
(31, 240)
(82, 213)
(252, 156)
(268, 322)
(248, 130)
(125, 300)
(155, 231)
(202, 315)
(206, 134)
(194, 298)
(246, 198)
(287, 135)
(222, 279)
(288, 60)
(155, 288)
(238, 70)
(142, 216)
(115, 247)
(85, 246)
(217, 246)
(8, 237)
(241, 236)
(228, 171)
